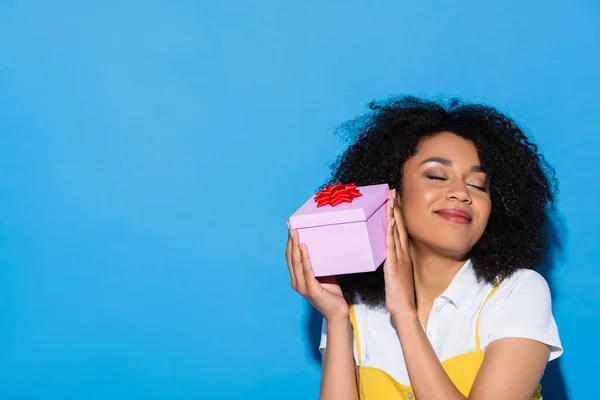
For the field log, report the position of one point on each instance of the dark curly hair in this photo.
(522, 184)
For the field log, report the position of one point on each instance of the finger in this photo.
(288, 255)
(395, 210)
(389, 242)
(288, 259)
(400, 227)
(390, 207)
(297, 263)
(312, 285)
(397, 244)
(402, 234)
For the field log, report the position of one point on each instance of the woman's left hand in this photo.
(397, 269)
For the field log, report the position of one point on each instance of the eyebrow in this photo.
(448, 163)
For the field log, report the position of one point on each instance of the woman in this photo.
(457, 310)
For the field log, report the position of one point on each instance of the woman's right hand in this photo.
(323, 293)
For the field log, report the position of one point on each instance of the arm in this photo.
(338, 376)
(338, 380)
(514, 361)
(522, 339)
(427, 376)
(500, 377)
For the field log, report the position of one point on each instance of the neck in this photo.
(433, 273)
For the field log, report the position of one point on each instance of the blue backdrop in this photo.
(151, 151)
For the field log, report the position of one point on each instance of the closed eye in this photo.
(438, 178)
(483, 189)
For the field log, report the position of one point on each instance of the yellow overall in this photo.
(376, 384)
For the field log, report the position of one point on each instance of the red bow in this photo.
(337, 194)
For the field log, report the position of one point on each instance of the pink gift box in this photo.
(348, 237)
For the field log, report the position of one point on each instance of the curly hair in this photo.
(522, 184)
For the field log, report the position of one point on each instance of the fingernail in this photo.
(292, 233)
(391, 203)
(288, 224)
(393, 193)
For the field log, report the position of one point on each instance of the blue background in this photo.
(151, 151)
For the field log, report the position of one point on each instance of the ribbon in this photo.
(334, 195)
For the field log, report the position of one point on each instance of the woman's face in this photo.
(445, 197)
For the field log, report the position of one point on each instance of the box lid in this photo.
(360, 209)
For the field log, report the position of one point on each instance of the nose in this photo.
(459, 192)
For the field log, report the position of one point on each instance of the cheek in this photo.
(429, 195)
(483, 211)
(416, 196)
(416, 210)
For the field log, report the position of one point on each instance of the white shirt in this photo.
(520, 307)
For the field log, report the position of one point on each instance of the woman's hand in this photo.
(324, 294)
(397, 269)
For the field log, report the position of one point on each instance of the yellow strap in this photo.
(477, 342)
(355, 333)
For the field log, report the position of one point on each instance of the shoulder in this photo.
(523, 286)
(522, 307)
(367, 313)
(372, 324)
(525, 275)
(524, 294)
(361, 316)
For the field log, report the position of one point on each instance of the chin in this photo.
(455, 254)
(450, 244)
(455, 250)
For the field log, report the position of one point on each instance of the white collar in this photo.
(462, 285)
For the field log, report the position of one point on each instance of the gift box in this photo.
(344, 227)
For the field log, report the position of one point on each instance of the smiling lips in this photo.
(455, 215)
